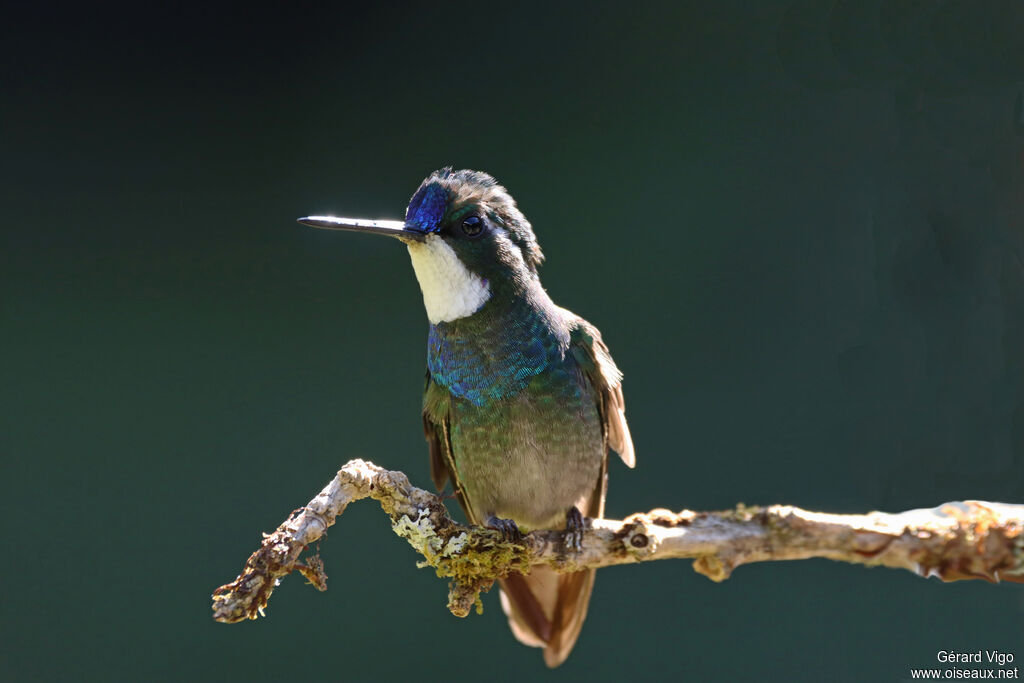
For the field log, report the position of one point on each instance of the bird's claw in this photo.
(575, 524)
(509, 530)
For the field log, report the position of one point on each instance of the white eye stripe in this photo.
(450, 290)
(511, 246)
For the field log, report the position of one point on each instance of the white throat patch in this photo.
(450, 290)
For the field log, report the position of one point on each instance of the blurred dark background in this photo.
(800, 226)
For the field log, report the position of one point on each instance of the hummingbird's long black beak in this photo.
(391, 228)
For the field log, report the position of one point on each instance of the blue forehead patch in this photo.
(426, 209)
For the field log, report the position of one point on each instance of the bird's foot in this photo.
(510, 532)
(575, 524)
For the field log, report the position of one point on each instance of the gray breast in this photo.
(530, 457)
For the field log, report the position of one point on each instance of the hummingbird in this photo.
(522, 400)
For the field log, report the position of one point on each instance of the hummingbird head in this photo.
(465, 236)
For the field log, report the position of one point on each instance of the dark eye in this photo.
(473, 226)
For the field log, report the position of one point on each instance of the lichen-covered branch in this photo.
(961, 540)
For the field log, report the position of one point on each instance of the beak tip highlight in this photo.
(389, 228)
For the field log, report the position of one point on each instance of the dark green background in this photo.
(800, 227)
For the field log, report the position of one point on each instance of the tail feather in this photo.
(547, 609)
(570, 612)
(521, 600)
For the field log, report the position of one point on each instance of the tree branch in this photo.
(960, 540)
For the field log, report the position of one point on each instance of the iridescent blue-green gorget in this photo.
(522, 399)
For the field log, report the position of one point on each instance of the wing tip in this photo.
(622, 440)
(628, 458)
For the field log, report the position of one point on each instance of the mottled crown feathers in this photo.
(466, 187)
